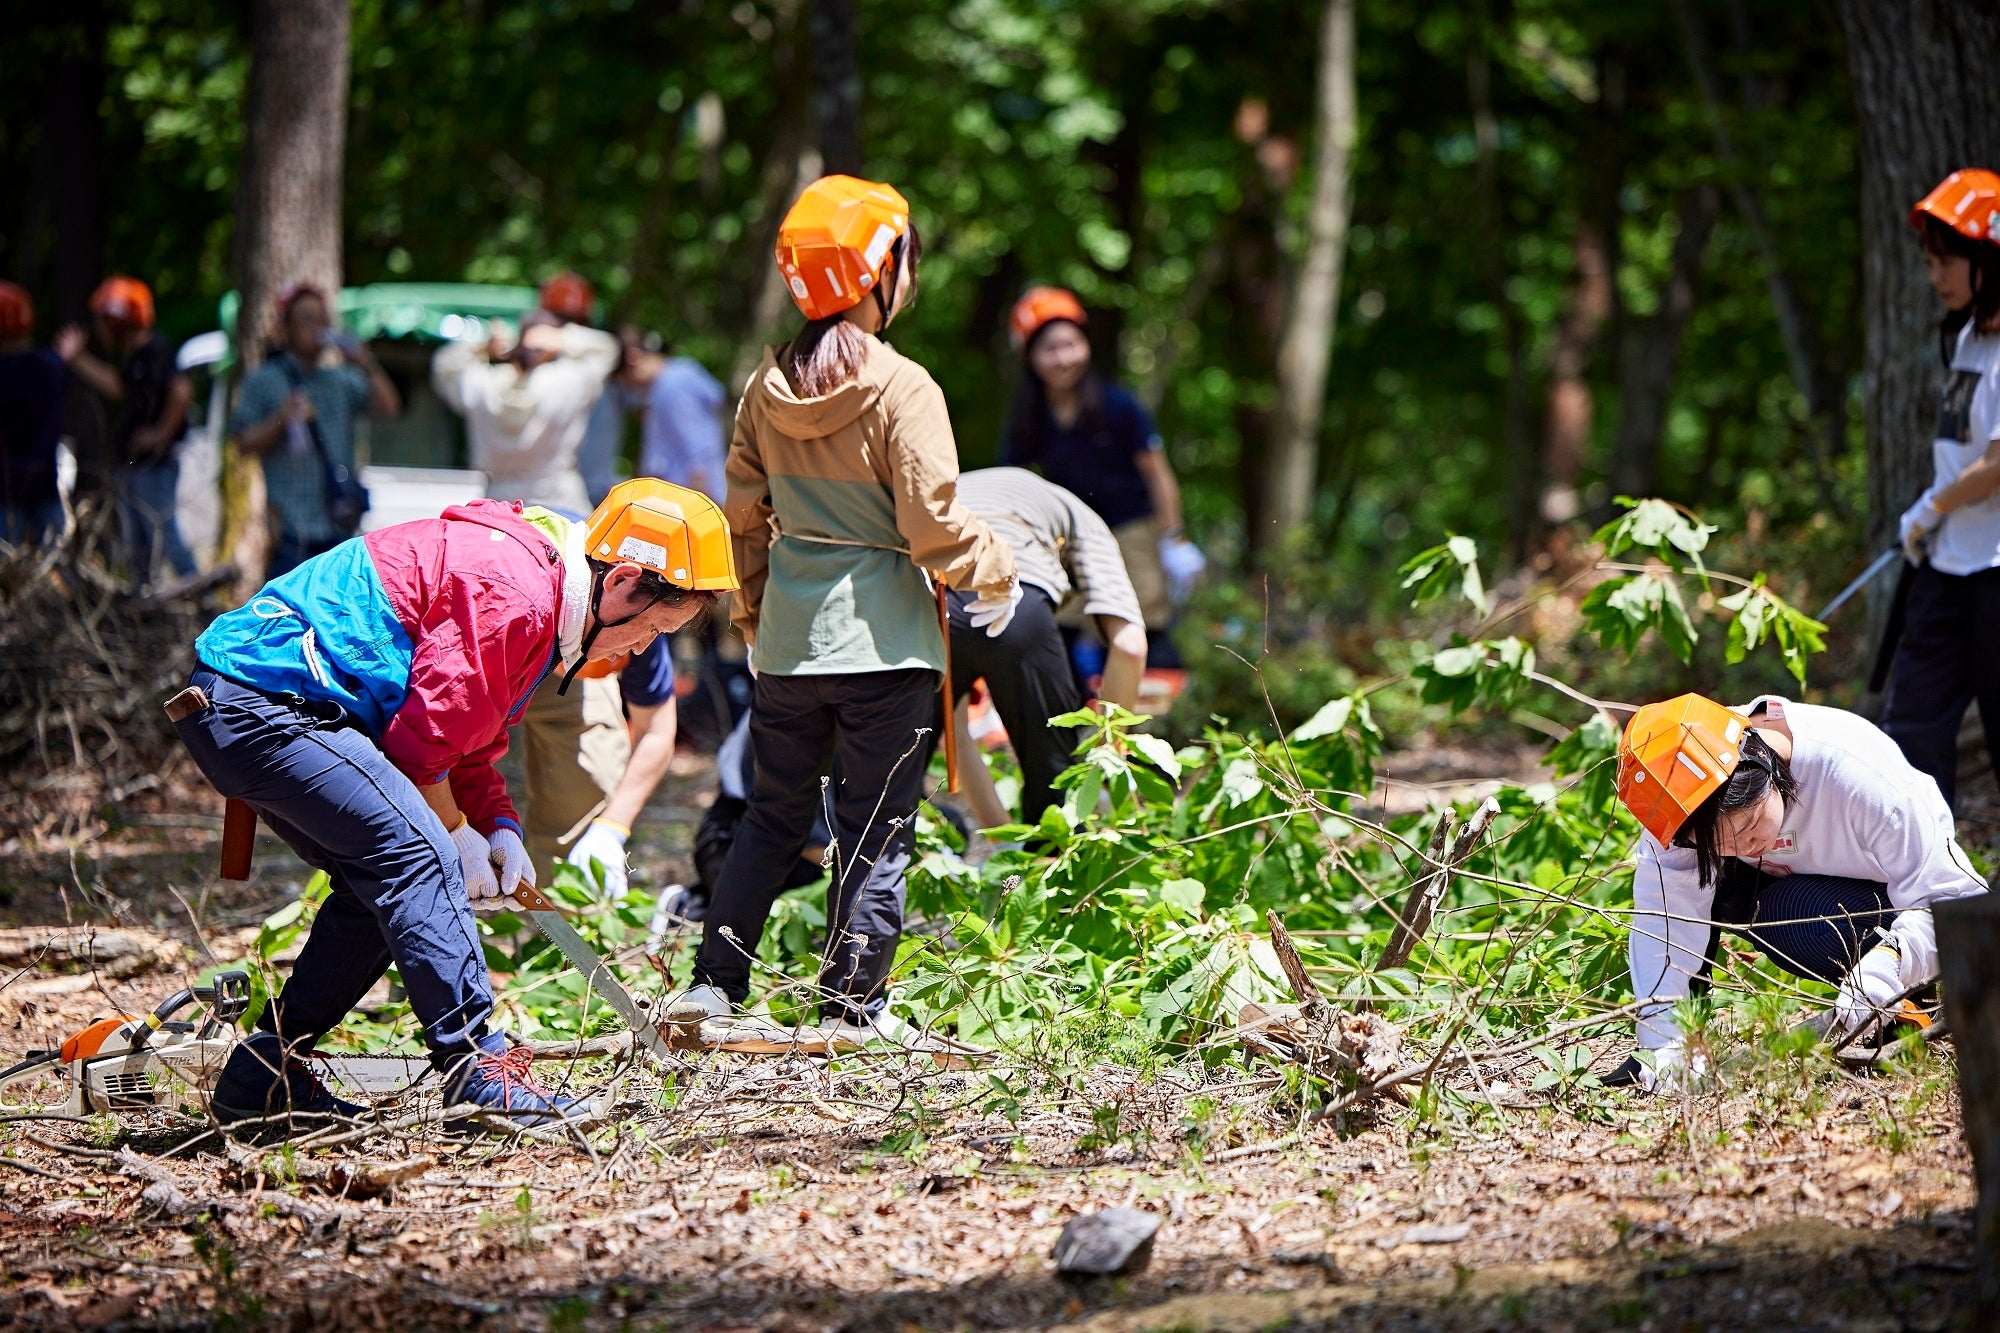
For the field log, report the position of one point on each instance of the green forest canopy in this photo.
(1146, 153)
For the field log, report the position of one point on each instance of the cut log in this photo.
(114, 953)
(1968, 935)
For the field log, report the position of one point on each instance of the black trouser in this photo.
(1813, 926)
(1026, 668)
(1948, 656)
(874, 726)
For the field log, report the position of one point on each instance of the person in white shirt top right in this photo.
(1800, 827)
(1949, 650)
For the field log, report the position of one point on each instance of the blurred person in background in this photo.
(527, 401)
(682, 439)
(152, 397)
(1090, 436)
(570, 298)
(296, 413)
(33, 385)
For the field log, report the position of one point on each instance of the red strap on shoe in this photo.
(511, 1071)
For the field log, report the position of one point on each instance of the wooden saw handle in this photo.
(944, 691)
(239, 838)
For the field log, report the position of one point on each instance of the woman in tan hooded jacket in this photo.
(843, 496)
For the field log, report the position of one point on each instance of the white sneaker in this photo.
(696, 1004)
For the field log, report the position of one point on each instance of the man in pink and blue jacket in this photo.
(358, 703)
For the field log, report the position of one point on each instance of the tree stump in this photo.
(1968, 934)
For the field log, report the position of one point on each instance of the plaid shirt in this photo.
(294, 476)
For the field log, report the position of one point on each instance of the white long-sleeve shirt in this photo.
(1862, 812)
(525, 430)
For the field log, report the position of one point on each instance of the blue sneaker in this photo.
(496, 1079)
(263, 1081)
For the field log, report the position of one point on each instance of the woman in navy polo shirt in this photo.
(1090, 436)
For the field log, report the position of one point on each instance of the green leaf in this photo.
(1186, 895)
(1241, 781)
(1330, 720)
(1658, 527)
(1429, 573)
(1160, 752)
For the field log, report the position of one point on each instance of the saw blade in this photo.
(584, 959)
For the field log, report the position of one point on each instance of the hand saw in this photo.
(535, 906)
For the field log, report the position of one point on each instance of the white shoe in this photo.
(696, 1004)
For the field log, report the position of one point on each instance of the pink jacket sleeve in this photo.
(470, 651)
(481, 792)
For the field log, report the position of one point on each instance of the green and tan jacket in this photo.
(835, 504)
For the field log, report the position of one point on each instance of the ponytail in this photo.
(830, 352)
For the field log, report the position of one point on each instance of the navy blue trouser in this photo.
(1948, 655)
(1814, 926)
(322, 785)
(872, 726)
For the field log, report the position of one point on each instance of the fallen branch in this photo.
(1414, 921)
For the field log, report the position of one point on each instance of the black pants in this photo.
(875, 726)
(1027, 670)
(1948, 656)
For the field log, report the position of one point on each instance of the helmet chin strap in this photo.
(598, 623)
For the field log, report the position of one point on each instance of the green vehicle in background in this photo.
(414, 465)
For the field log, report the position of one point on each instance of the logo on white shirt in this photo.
(1786, 845)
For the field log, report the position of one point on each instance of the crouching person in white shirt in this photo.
(1800, 827)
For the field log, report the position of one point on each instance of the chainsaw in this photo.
(135, 1063)
(139, 1063)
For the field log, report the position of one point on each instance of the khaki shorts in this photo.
(1139, 543)
(573, 752)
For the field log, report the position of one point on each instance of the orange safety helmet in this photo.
(678, 533)
(569, 295)
(127, 300)
(1673, 756)
(1039, 306)
(17, 311)
(1967, 201)
(835, 244)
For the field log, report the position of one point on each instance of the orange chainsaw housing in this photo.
(91, 1040)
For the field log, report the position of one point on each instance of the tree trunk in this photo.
(1927, 103)
(288, 219)
(1968, 935)
(76, 140)
(1817, 381)
(1305, 348)
(836, 86)
(1516, 444)
(1650, 354)
(1571, 409)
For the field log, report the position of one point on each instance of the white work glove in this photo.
(475, 863)
(1672, 1069)
(1869, 990)
(1918, 527)
(1183, 563)
(602, 848)
(510, 858)
(993, 614)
